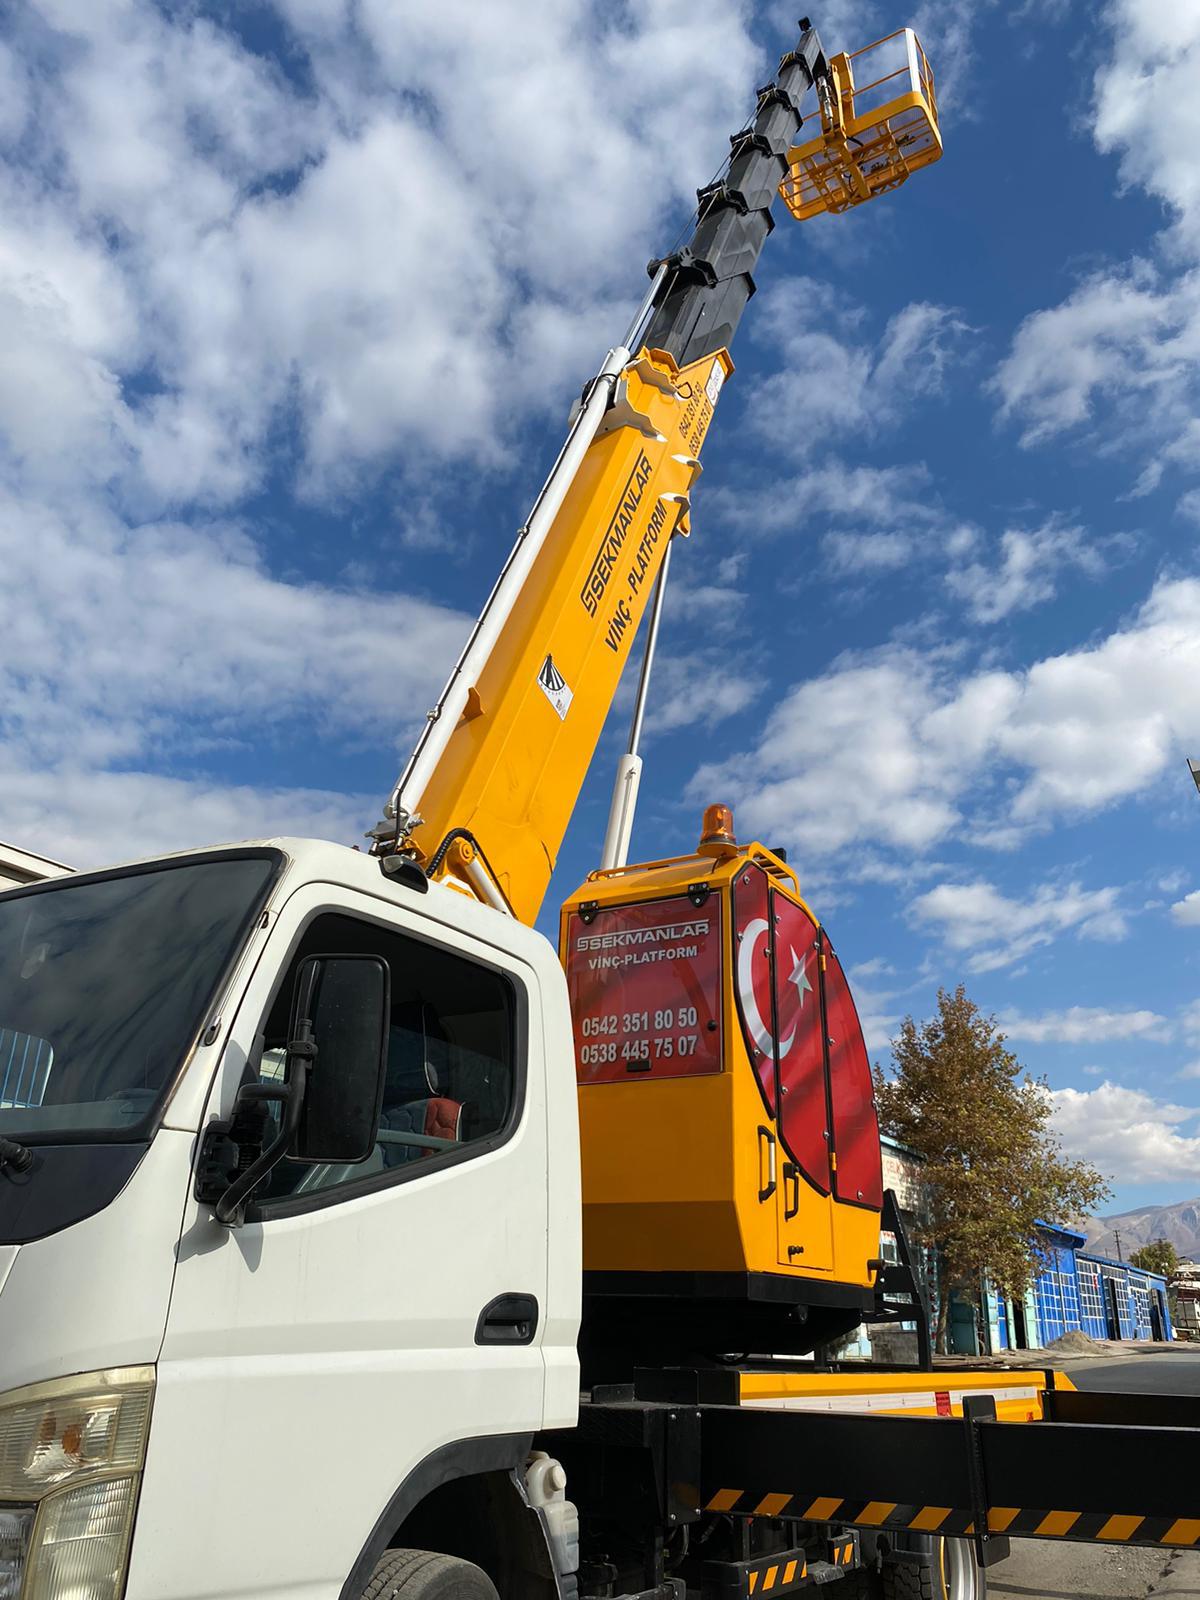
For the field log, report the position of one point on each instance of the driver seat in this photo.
(412, 1102)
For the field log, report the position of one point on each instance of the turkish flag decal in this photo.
(752, 955)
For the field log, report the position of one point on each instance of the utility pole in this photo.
(1117, 1237)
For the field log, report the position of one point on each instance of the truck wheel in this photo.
(945, 1570)
(425, 1575)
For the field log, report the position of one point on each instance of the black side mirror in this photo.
(339, 1032)
(331, 1096)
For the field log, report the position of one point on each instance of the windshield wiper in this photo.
(17, 1156)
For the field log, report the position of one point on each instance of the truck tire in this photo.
(425, 1575)
(910, 1582)
(944, 1570)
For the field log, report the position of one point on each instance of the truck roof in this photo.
(323, 860)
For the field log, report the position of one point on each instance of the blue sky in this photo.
(296, 298)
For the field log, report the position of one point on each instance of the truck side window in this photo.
(452, 1083)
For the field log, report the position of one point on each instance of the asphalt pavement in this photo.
(1040, 1569)
(1168, 1372)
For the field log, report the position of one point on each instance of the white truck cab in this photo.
(299, 1377)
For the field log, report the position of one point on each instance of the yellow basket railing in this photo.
(879, 125)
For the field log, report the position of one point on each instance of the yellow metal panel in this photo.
(875, 1512)
(771, 1505)
(769, 1580)
(724, 1500)
(789, 1572)
(1185, 1531)
(913, 1392)
(512, 773)
(1117, 1529)
(930, 1518)
(821, 1510)
(1057, 1524)
(671, 1166)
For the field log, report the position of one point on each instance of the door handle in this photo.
(508, 1319)
(766, 1168)
(791, 1201)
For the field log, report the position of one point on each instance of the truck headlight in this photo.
(71, 1455)
(16, 1523)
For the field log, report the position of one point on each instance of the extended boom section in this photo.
(510, 771)
(487, 795)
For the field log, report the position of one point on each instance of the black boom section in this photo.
(710, 280)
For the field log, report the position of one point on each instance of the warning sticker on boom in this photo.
(554, 686)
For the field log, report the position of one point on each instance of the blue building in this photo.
(1077, 1289)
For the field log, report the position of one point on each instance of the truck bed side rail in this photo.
(1117, 1480)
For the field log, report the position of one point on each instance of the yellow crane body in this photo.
(729, 1139)
(516, 759)
(731, 1165)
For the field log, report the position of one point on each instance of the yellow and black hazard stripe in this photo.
(777, 1575)
(1029, 1522)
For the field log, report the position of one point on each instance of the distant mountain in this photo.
(1180, 1224)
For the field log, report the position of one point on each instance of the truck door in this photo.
(363, 1316)
(805, 1218)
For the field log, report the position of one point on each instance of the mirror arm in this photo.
(230, 1207)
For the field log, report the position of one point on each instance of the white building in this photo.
(22, 866)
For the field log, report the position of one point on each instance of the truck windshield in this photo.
(104, 983)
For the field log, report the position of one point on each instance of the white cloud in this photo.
(363, 258)
(895, 746)
(1113, 337)
(837, 762)
(1127, 1133)
(945, 28)
(110, 635)
(875, 1002)
(1085, 1025)
(992, 930)
(91, 818)
(896, 499)
(162, 647)
(699, 686)
(1027, 570)
(1189, 1022)
(214, 275)
(1187, 911)
(1118, 354)
(1146, 110)
(833, 373)
(856, 554)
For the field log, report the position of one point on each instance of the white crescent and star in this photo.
(760, 1033)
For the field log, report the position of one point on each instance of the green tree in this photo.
(995, 1169)
(1160, 1255)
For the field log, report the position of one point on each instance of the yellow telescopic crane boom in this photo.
(489, 789)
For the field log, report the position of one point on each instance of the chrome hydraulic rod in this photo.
(623, 806)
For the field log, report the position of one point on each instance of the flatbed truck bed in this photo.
(734, 1482)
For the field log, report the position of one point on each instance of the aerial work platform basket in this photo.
(879, 124)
